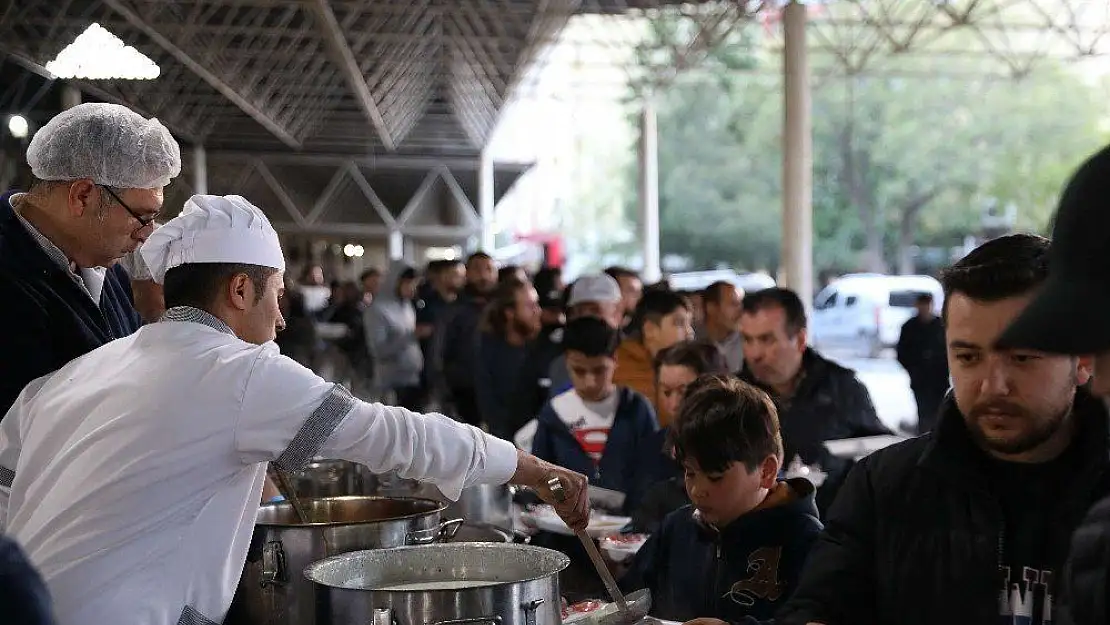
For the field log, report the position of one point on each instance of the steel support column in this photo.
(71, 97)
(486, 201)
(797, 166)
(200, 170)
(649, 192)
(396, 245)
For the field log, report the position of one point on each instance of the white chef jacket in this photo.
(135, 471)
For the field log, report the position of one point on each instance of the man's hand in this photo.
(535, 474)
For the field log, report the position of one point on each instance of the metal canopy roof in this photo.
(330, 76)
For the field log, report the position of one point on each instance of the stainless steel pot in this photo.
(484, 503)
(448, 584)
(273, 591)
(333, 478)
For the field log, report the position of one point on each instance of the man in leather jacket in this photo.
(969, 523)
(1069, 317)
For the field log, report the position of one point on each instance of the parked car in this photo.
(865, 312)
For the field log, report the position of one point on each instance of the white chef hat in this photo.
(108, 143)
(213, 229)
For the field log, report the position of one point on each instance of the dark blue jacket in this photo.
(628, 463)
(24, 599)
(497, 384)
(457, 340)
(48, 319)
(742, 574)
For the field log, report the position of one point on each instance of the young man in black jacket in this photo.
(971, 522)
(1069, 317)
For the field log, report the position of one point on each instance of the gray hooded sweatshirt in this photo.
(391, 336)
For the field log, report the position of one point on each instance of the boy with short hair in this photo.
(736, 553)
(662, 319)
(597, 428)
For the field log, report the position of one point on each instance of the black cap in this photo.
(1071, 313)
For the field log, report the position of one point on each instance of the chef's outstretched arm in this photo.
(289, 416)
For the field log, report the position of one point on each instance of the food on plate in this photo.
(582, 607)
(627, 539)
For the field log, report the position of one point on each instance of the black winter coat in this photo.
(830, 403)
(48, 319)
(1087, 576)
(918, 534)
(24, 599)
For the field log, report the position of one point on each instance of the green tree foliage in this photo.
(904, 158)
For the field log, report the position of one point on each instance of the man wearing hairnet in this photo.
(99, 171)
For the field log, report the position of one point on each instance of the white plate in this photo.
(856, 448)
(544, 518)
(621, 551)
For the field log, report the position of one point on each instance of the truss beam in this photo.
(216, 82)
(356, 80)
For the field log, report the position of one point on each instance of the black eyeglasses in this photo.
(144, 220)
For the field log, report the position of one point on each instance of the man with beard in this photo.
(457, 337)
(444, 281)
(969, 523)
(512, 321)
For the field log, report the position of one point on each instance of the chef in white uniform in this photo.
(132, 475)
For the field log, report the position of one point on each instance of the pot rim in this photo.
(438, 510)
(561, 558)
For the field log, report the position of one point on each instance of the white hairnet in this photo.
(111, 144)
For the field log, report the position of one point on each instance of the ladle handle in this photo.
(560, 494)
(286, 488)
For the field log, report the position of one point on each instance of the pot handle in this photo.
(273, 565)
(445, 531)
(448, 529)
(530, 608)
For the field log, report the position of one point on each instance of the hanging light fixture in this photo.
(97, 54)
(18, 126)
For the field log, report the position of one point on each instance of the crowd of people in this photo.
(158, 369)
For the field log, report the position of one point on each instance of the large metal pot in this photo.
(334, 478)
(449, 584)
(273, 591)
(484, 503)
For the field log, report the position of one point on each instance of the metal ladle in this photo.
(630, 609)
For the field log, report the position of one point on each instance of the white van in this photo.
(865, 312)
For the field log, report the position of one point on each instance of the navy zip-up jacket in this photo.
(628, 462)
(741, 574)
(48, 319)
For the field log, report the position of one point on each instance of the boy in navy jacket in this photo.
(735, 555)
(601, 430)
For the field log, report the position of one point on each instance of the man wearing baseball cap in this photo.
(1069, 316)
